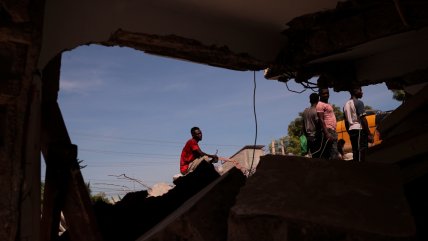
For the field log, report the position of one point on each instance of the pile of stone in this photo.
(288, 198)
(138, 212)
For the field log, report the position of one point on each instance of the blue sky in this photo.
(131, 113)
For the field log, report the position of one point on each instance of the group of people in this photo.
(319, 126)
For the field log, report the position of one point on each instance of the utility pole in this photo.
(273, 147)
(282, 147)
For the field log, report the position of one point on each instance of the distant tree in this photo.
(338, 112)
(42, 192)
(398, 95)
(295, 126)
(42, 188)
(291, 141)
(291, 145)
(100, 197)
(369, 110)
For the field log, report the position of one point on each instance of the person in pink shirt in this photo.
(327, 119)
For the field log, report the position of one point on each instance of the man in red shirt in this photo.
(191, 156)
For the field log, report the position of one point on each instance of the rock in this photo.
(159, 189)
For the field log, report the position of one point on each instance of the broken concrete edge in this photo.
(273, 228)
(312, 37)
(366, 194)
(188, 205)
(417, 102)
(187, 49)
(400, 148)
(123, 220)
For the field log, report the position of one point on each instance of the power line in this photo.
(110, 189)
(131, 165)
(97, 162)
(255, 120)
(125, 177)
(111, 180)
(158, 156)
(126, 153)
(140, 140)
(130, 162)
(110, 184)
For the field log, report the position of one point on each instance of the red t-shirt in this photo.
(187, 155)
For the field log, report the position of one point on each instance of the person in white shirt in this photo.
(356, 124)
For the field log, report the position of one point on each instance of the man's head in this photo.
(356, 92)
(324, 94)
(314, 98)
(196, 133)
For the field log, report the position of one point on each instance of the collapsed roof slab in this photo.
(135, 214)
(404, 133)
(250, 28)
(376, 41)
(204, 216)
(298, 198)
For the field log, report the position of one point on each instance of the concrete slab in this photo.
(204, 216)
(137, 213)
(296, 198)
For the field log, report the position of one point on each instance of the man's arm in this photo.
(363, 121)
(324, 127)
(201, 153)
(347, 112)
(366, 129)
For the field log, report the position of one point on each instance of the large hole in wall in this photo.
(130, 113)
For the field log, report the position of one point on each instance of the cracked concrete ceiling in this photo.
(245, 28)
(371, 39)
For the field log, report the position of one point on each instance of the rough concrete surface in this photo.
(204, 216)
(296, 198)
(136, 213)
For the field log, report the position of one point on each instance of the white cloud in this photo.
(79, 85)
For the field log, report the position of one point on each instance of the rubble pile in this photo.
(136, 212)
(297, 198)
(203, 217)
(288, 198)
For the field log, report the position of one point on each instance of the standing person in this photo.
(356, 124)
(311, 126)
(191, 155)
(328, 125)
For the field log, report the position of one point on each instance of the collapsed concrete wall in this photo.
(204, 216)
(297, 198)
(288, 198)
(197, 208)
(20, 91)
